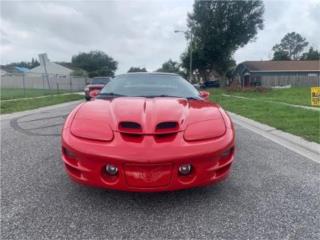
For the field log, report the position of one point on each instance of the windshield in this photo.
(100, 80)
(149, 85)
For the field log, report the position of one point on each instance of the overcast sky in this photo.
(134, 32)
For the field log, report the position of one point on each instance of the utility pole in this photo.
(190, 67)
(190, 49)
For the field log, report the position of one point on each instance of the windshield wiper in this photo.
(111, 94)
(162, 95)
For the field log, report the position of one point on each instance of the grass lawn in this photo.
(301, 122)
(27, 104)
(12, 93)
(298, 96)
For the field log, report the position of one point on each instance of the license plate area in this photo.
(148, 175)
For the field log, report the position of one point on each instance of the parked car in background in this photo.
(95, 86)
(211, 84)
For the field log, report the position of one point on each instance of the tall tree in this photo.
(291, 44)
(171, 67)
(137, 69)
(219, 28)
(279, 54)
(312, 54)
(96, 63)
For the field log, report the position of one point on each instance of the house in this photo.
(278, 73)
(50, 68)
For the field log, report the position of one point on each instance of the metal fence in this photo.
(43, 81)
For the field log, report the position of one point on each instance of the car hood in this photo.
(149, 115)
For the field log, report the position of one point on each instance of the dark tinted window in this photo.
(150, 85)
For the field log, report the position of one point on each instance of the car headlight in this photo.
(92, 129)
(203, 130)
(86, 89)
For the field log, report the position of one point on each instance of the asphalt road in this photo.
(272, 193)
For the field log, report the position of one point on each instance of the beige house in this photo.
(278, 73)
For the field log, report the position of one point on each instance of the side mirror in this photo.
(204, 94)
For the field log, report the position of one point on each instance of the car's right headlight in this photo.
(209, 129)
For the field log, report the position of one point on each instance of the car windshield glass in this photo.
(100, 80)
(150, 85)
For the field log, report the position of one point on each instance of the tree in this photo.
(137, 69)
(34, 63)
(171, 67)
(312, 54)
(280, 55)
(292, 44)
(96, 63)
(219, 29)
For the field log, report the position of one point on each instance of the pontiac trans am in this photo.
(148, 132)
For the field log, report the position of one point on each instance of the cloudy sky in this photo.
(133, 32)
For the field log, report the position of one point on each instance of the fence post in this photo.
(70, 83)
(24, 84)
(57, 87)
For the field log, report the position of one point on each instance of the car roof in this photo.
(149, 73)
(102, 77)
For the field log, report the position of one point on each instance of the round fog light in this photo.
(185, 169)
(111, 170)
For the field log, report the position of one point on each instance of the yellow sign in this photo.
(315, 96)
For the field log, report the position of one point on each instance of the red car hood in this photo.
(147, 113)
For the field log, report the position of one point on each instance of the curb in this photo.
(19, 114)
(296, 144)
(269, 101)
(43, 96)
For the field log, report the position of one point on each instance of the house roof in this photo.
(282, 66)
(52, 68)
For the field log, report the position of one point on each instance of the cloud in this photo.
(135, 33)
(282, 17)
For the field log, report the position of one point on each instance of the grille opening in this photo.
(167, 125)
(130, 125)
(164, 138)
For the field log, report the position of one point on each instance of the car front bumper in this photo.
(149, 165)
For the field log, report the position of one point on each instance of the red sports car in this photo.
(148, 132)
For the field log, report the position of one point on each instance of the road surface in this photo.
(272, 193)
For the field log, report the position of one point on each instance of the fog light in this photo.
(185, 169)
(111, 170)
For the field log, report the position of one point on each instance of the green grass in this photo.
(300, 122)
(27, 104)
(13, 93)
(298, 96)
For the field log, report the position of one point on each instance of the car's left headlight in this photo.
(209, 129)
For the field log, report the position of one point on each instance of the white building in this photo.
(50, 68)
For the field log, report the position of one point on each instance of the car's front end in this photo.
(151, 145)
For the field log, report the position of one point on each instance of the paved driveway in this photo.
(272, 193)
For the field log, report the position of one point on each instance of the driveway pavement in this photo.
(272, 193)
